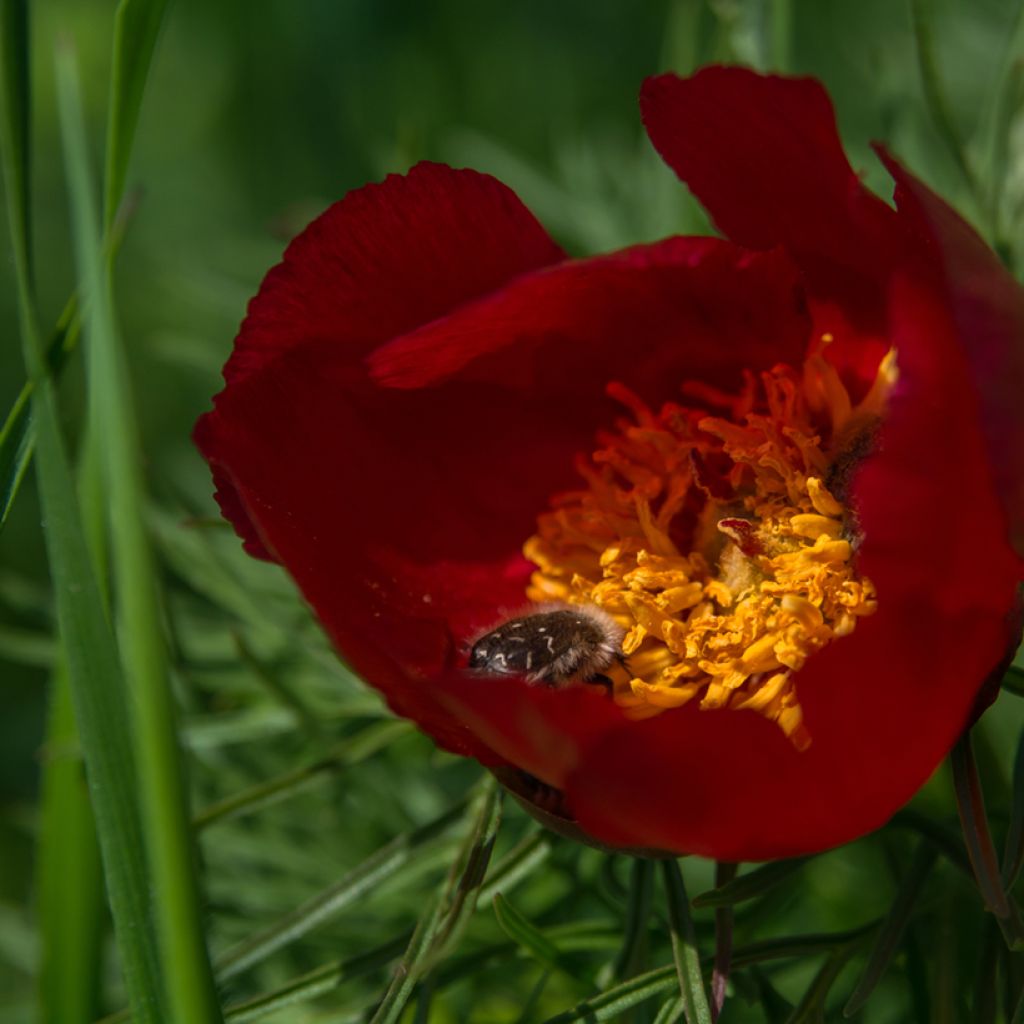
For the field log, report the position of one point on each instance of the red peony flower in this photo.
(786, 465)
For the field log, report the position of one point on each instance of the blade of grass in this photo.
(811, 1009)
(372, 739)
(70, 882)
(525, 857)
(386, 863)
(16, 439)
(750, 885)
(970, 803)
(725, 872)
(935, 95)
(671, 1011)
(136, 27)
(792, 946)
(1013, 850)
(632, 956)
(892, 930)
(97, 688)
(440, 924)
(316, 983)
(189, 986)
(684, 946)
(611, 1004)
(527, 935)
(506, 874)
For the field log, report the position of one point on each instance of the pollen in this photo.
(716, 532)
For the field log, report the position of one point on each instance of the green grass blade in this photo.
(97, 688)
(750, 885)
(136, 27)
(792, 946)
(188, 979)
(522, 860)
(633, 955)
(1013, 850)
(811, 1008)
(386, 863)
(609, 1005)
(684, 946)
(70, 882)
(671, 1011)
(528, 936)
(934, 93)
(317, 982)
(441, 923)
(368, 742)
(14, 40)
(888, 939)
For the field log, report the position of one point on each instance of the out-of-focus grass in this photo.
(257, 116)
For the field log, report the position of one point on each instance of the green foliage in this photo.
(337, 866)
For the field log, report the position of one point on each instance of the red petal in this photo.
(762, 154)
(651, 316)
(987, 308)
(388, 258)
(402, 513)
(384, 260)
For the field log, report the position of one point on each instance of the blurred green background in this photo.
(257, 116)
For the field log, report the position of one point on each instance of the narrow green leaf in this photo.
(684, 946)
(751, 885)
(934, 93)
(633, 954)
(609, 1005)
(970, 803)
(317, 982)
(518, 863)
(14, 54)
(506, 874)
(671, 1011)
(386, 863)
(1013, 852)
(811, 1009)
(892, 930)
(528, 1010)
(946, 840)
(441, 923)
(527, 935)
(189, 986)
(776, 1007)
(97, 687)
(366, 743)
(725, 872)
(792, 946)
(70, 881)
(136, 27)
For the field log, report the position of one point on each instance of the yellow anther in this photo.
(821, 499)
(813, 526)
(727, 579)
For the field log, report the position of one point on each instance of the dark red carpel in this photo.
(413, 383)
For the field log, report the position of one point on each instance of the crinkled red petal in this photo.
(382, 261)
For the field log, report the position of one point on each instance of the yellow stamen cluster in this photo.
(716, 541)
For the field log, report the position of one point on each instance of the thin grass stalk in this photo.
(188, 978)
(94, 672)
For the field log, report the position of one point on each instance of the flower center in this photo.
(719, 542)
